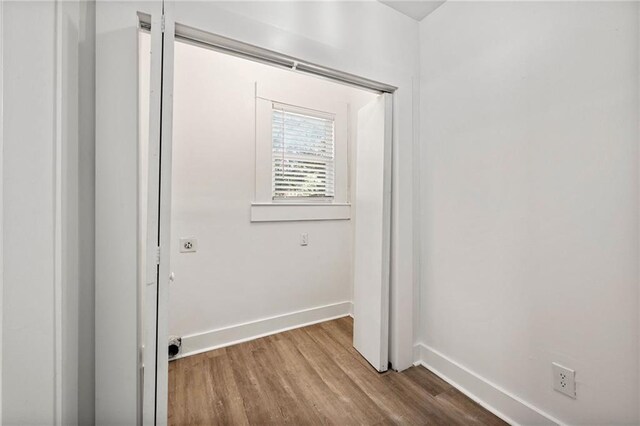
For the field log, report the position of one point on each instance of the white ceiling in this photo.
(416, 9)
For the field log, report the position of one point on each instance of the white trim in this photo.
(226, 336)
(150, 289)
(58, 236)
(156, 291)
(1, 187)
(504, 404)
(637, 159)
(238, 48)
(164, 269)
(273, 212)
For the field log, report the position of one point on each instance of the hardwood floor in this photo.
(310, 376)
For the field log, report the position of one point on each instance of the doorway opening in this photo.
(279, 207)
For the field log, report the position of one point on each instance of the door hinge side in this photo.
(162, 23)
(157, 255)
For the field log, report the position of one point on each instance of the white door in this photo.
(156, 291)
(372, 237)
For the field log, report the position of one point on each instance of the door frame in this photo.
(1, 187)
(158, 233)
(117, 353)
(155, 396)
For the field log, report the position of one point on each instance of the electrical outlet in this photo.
(188, 245)
(564, 380)
(304, 239)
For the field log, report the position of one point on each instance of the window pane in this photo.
(303, 155)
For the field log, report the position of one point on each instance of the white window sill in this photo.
(281, 212)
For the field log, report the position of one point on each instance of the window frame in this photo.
(264, 207)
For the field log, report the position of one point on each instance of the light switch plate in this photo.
(188, 245)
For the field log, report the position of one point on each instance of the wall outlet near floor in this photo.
(564, 380)
(188, 245)
(304, 239)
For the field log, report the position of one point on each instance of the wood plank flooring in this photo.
(309, 376)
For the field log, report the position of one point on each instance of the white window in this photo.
(302, 154)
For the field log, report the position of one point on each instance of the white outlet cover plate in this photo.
(188, 245)
(564, 380)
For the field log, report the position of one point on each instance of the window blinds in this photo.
(302, 154)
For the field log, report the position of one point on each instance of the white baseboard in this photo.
(227, 336)
(495, 399)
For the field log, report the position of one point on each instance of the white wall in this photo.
(244, 271)
(28, 212)
(529, 164)
(47, 173)
(363, 38)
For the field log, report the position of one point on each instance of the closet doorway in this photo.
(265, 200)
